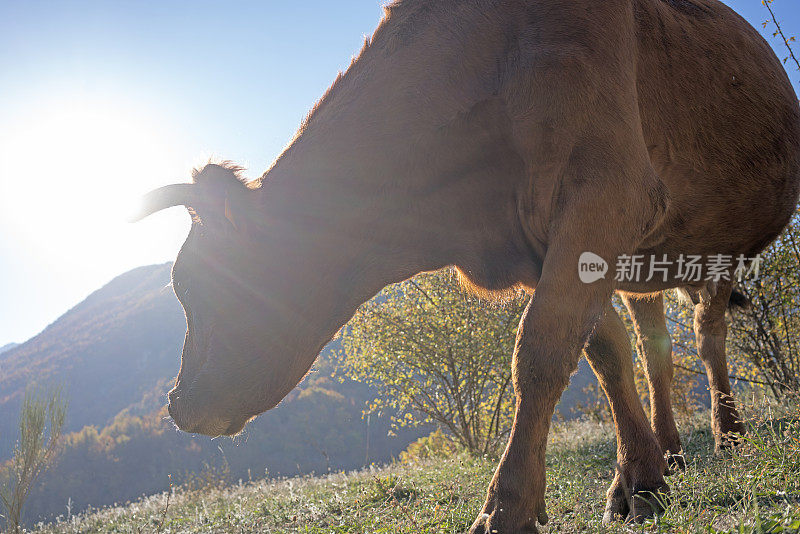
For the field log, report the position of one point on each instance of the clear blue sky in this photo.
(99, 101)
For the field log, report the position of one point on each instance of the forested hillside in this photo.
(115, 355)
(750, 490)
(7, 347)
(110, 351)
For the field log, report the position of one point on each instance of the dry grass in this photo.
(753, 489)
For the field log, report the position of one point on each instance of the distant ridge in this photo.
(115, 355)
(8, 347)
(106, 351)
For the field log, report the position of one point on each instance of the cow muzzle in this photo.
(192, 415)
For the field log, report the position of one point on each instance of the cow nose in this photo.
(171, 408)
(174, 411)
(178, 413)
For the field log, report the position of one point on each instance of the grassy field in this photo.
(755, 488)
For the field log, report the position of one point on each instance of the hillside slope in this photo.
(106, 352)
(115, 349)
(115, 355)
(755, 489)
(7, 347)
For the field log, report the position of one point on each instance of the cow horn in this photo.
(165, 197)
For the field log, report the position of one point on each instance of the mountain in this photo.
(8, 347)
(115, 355)
(106, 352)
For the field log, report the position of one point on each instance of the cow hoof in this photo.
(647, 504)
(642, 504)
(616, 508)
(487, 524)
(501, 518)
(728, 440)
(675, 463)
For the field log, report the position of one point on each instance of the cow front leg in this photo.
(654, 347)
(638, 488)
(553, 329)
(607, 201)
(710, 331)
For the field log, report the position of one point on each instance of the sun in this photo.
(70, 174)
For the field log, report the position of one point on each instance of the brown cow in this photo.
(506, 138)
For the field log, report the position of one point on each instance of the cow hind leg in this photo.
(638, 489)
(710, 331)
(654, 348)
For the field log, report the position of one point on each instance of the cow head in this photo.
(257, 312)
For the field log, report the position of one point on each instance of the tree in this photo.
(40, 423)
(437, 355)
(765, 337)
(779, 34)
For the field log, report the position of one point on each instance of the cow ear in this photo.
(235, 207)
(221, 196)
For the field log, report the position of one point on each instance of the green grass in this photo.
(755, 488)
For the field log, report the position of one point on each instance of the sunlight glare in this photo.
(72, 172)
